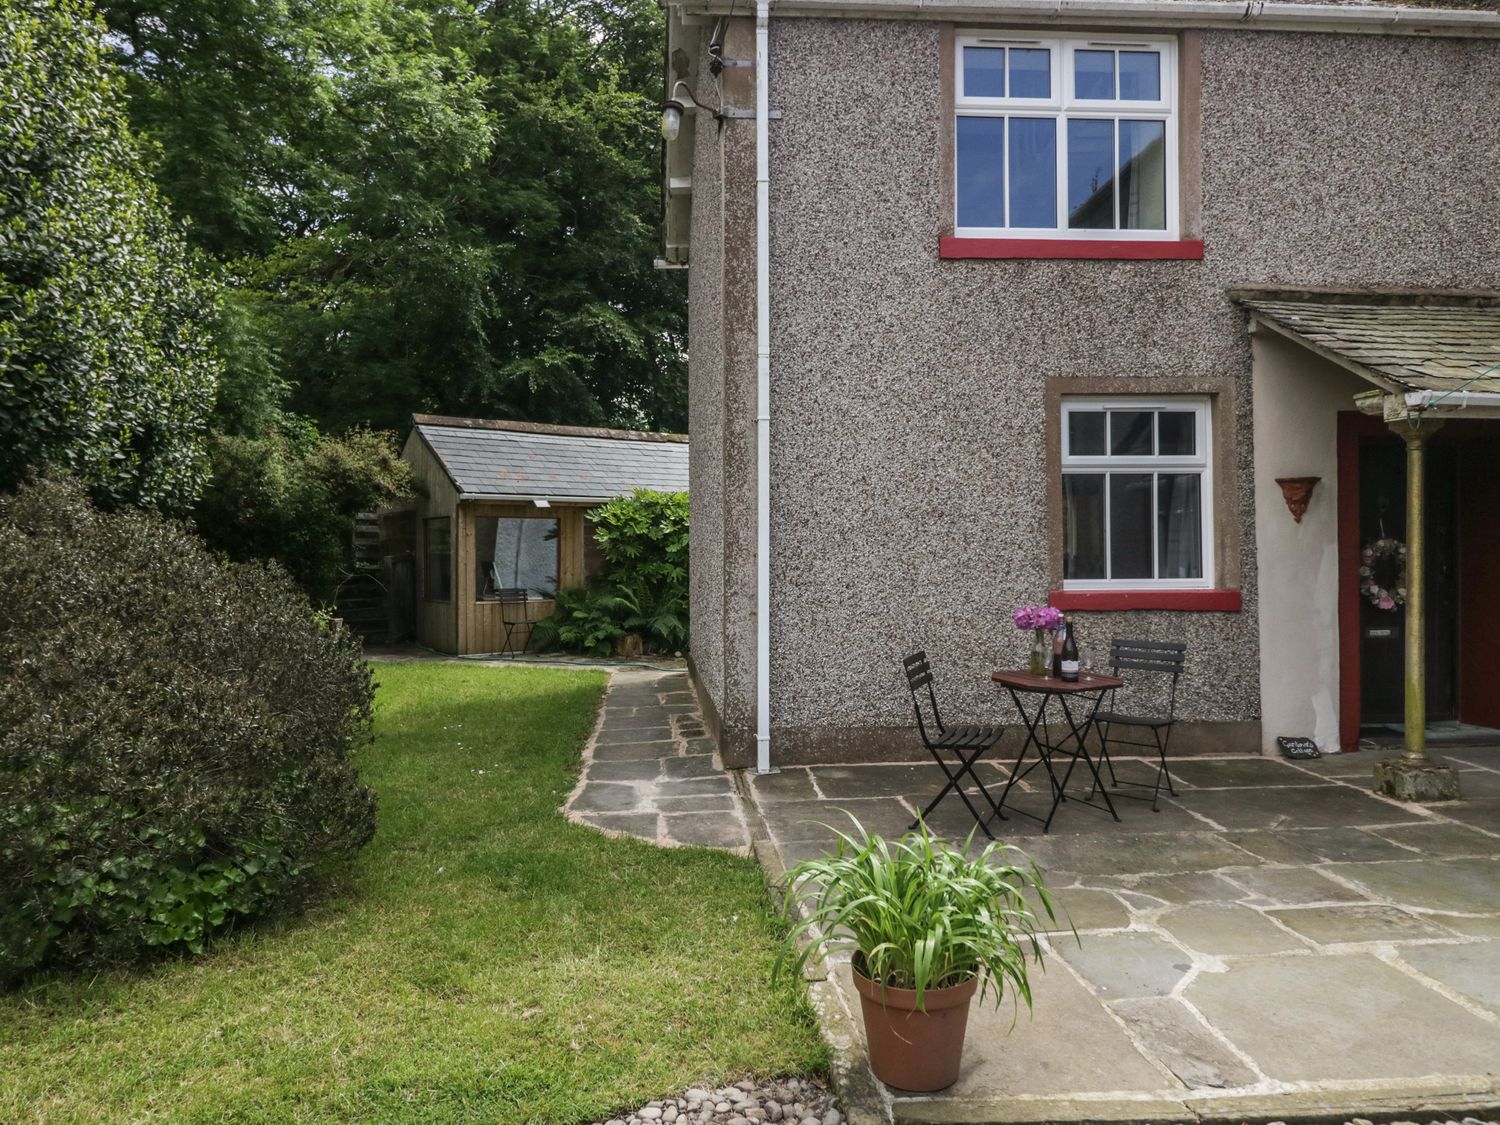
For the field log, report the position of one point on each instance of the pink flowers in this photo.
(1030, 617)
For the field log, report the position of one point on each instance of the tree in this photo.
(106, 366)
(427, 205)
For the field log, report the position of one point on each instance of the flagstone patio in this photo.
(1276, 944)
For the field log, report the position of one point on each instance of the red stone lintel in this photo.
(1127, 249)
(1200, 601)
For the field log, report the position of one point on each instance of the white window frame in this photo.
(1062, 105)
(1201, 461)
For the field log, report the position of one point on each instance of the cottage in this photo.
(1163, 311)
(499, 526)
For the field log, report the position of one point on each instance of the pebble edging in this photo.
(790, 1101)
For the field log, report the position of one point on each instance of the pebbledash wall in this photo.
(913, 496)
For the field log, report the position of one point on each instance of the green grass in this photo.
(486, 960)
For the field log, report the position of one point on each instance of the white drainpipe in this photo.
(762, 390)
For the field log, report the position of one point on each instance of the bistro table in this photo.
(1087, 690)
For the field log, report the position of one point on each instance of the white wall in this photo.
(1296, 400)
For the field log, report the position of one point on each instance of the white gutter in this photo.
(1263, 15)
(1486, 401)
(762, 388)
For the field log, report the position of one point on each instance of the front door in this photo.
(1382, 632)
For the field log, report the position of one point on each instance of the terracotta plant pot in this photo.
(912, 1049)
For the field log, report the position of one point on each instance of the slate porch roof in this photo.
(1408, 342)
(500, 460)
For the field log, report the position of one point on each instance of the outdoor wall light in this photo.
(679, 103)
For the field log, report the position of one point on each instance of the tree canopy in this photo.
(107, 364)
(424, 205)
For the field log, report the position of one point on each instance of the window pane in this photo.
(1130, 525)
(1094, 74)
(1086, 433)
(1030, 72)
(516, 554)
(1143, 175)
(984, 72)
(1179, 508)
(1083, 524)
(1130, 433)
(1140, 76)
(1033, 172)
(1091, 185)
(1177, 433)
(981, 171)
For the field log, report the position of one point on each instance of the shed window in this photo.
(437, 559)
(1137, 495)
(1065, 137)
(515, 554)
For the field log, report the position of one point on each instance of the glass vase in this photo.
(1041, 653)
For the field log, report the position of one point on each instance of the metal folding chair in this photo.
(1160, 660)
(964, 743)
(510, 598)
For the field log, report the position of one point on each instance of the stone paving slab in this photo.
(1374, 1021)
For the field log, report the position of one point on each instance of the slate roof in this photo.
(498, 460)
(1398, 346)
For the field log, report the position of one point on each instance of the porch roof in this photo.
(1432, 349)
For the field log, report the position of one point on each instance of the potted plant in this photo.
(928, 926)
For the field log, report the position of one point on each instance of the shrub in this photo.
(292, 495)
(643, 586)
(107, 360)
(586, 619)
(175, 736)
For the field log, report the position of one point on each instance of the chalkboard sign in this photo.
(1298, 747)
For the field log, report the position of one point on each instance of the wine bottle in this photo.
(1057, 647)
(1069, 657)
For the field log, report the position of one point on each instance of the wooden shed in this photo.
(498, 527)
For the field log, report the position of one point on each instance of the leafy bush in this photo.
(175, 736)
(643, 586)
(292, 496)
(107, 362)
(586, 619)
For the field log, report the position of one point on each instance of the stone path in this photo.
(650, 772)
(1276, 942)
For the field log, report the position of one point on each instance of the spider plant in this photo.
(919, 913)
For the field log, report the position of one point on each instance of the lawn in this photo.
(485, 960)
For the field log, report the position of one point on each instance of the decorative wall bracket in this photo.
(1298, 491)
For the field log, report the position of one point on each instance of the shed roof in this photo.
(1443, 342)
(502, 460)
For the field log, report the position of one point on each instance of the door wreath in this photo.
(1382, 573)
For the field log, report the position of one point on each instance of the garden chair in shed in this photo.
(959, 746)
(1154, 667)
(515, 613)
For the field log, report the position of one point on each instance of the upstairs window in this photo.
(1065, 138)
(1137, 494)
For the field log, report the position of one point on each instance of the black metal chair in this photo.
(964, 743)
(509, 598)
(1160, 661)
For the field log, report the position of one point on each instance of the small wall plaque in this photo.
(1298, 748)
(1297, 491)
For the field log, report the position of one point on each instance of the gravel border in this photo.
(787, 1101)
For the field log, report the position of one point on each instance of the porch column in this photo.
(1414, 776)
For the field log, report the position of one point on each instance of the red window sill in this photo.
(1202, 601)
(1188, 249)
